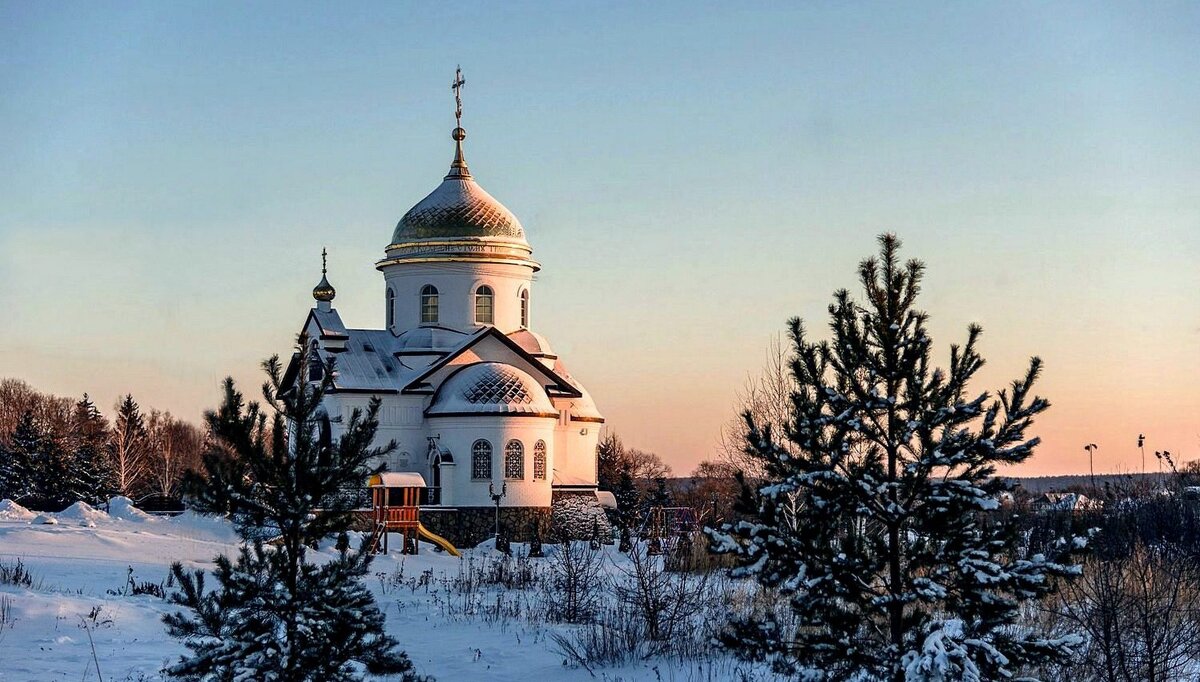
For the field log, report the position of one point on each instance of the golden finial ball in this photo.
(459, 134)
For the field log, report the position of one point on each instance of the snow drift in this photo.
(11, 511)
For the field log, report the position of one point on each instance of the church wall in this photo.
(576, 442)
(458, 435)
(456, 284)
(401, 419)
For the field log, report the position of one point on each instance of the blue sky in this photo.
(690, 176)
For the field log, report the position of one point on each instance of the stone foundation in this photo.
(469, 526)
(579, 514)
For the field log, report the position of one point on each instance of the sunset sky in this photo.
(690, 175)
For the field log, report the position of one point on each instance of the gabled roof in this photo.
(329, 322)
(520, 358)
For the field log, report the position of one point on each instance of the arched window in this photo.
(429, 304)
(514, 460)
(525, 308)
(391, 308)
(483, 305)
(481, 460)
(539, 460)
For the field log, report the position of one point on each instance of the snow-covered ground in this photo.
(80, 560)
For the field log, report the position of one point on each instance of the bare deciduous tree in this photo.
(711, 492)
(575, 588)
(1140, 614)
(767, 396)
(174, 446)
(52, 412)
(662, 600)
(613, 458)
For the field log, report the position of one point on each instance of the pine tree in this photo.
(610, 458)
(275, 615)
(5, 475)
(129, 446)
(878, 518)
(19, 471)
(628, 508)
(52, 477)
(91, 477)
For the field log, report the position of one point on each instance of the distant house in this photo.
(1064, 502)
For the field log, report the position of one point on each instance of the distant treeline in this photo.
(1083, 482)
(55, 451)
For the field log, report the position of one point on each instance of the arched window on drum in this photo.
(484, 305)
(429, 304)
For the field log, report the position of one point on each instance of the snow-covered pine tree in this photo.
(52, 476)
(276, 616)
(91, 477)
(879, 521)
(129, 446)
(19, 467)
(36, 470)
(629, 508)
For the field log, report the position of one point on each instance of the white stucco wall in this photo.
(456, 284)
(458, 435)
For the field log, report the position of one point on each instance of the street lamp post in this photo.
(496, 497)
(1091, 449)
(1142, 447)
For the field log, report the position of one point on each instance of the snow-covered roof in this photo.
(532, 342)
(570, 480)
(396, 479)
(369, 362)
(330, 323)
(491, 388)
(418, 360)
(582, 408)
(433, 339)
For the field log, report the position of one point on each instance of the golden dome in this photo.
(458, 207)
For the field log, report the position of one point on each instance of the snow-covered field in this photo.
(81, 558)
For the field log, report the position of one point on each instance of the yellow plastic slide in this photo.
(436, 539)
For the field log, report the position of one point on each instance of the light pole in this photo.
(496, 497)
(1142, 447)
(1091, 448)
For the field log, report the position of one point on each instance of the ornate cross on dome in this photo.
(324, 253)
(456, 86)
(458, 168)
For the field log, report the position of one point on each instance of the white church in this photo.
(477, 401)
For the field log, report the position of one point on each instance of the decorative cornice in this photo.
(459, 258)
(503, 415)
(499, 241)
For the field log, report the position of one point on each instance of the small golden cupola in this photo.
(324, 291)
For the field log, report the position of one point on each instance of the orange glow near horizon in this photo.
(164, 201)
